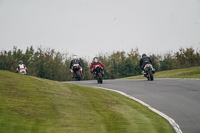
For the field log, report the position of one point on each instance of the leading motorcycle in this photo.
(149, 72)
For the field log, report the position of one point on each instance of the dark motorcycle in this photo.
(149, 72)
(98, 74)
(76, 72)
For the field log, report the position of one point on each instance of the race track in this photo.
(177, 98)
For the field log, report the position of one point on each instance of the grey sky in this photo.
(88, 27)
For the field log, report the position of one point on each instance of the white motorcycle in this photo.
(149, 72)
(76, 71)
(22, 69)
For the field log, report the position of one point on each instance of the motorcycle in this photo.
(98, 74)
(149, 72)
(76, 71)
(22, 70)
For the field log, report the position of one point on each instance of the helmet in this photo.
(20, 62)
(95, 59)
(75, 57)
(144, 55)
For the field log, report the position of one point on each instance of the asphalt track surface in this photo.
(177, 98)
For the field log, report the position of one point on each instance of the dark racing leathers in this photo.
(143, 61)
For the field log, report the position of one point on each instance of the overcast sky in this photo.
(88, 27)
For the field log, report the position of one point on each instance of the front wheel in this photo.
(100, 78)
(78, 76)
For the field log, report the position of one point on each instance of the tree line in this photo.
(50, 64)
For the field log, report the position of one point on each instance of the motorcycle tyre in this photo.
(150, 76)
(100, 78)
(78, 76)
(147, 75)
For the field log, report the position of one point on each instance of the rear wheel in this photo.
(151, 75)
(148, 77)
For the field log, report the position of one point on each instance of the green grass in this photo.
(33, 105)
(193, 72)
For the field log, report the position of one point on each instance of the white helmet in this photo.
(75, 57)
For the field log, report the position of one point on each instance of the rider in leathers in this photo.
(21, 66)
(75, 61)
(143, 61)
(94, 63)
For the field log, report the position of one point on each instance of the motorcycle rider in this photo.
(75, 61)
(143, 61)
(94, 63)
(21, 66)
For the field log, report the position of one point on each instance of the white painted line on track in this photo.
(170, 120)
(178, 78)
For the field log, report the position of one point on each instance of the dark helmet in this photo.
(95, 59)
(144, 55)
(20, 62)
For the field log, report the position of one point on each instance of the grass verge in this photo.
(33, 105)
(193, 72)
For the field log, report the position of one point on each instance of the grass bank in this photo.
(33, 105)
(193, 72)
